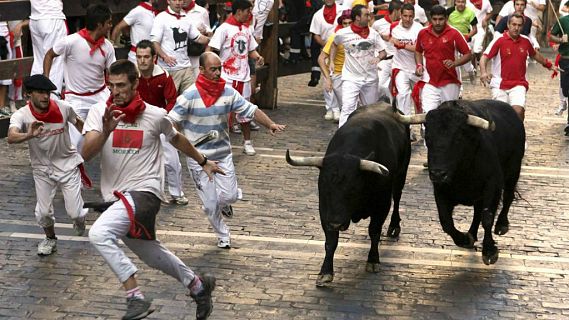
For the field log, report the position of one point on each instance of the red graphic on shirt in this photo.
(131, 139)
(229, 65)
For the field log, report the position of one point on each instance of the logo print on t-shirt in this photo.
(127, 139)
(180, 38)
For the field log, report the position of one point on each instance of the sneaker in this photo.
(336, 115)
(79, 226)
(562, 107)
(137, 309)
(254, 126)
(236, 128)
(204, 303)
(181, 200)
(329, 115)
(224, 243)
(227, 211)
(47, 247)
(248, 149)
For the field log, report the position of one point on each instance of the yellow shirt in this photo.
(339, 58)
(362, 2)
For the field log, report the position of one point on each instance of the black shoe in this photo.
(227, 211)
(137, 309)
(426, 165)
(567, 130)
(313, 82)
(203, 298)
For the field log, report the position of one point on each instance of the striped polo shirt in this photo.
(197, 120)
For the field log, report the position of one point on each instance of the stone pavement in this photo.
(279, 244)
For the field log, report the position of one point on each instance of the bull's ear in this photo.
(370, 156)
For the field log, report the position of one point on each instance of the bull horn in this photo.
(413, 119)
(368, 165)
(303, 161)
(480, 123)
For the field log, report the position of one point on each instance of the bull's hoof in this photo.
(372, 267)
(501, 229)
(323, 279)
(393, 232)
(467, 242)
(490, 256)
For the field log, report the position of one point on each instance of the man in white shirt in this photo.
(170, 34)
(86, 55)
(483, 11)
(383, 27)
(126, 132)
(403, 37)
(47, 25)
(261, 11)
(140, 20)
(44, 124)
(363, 48)
(321, 27)
(199, 17)
(236, 44)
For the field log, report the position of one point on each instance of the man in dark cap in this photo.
(44, 124)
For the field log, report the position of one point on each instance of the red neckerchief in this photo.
(361, 31)
(53, 114)
(330, 13)
(232, 21)
(148, 7)
(388, 19)
(131, 111)
(189, 6)
(249, 21)
(209, 90)
(477, 4)
(95, 44)
(338, 27)
(172, 13)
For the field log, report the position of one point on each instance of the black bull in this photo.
(364, 167)
(474, 167)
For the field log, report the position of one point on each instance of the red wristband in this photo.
(419, 65)
(548, 64)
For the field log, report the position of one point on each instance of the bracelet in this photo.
(204, 161)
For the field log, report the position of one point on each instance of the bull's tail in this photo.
(518, 196)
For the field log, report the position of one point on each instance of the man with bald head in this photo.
(204, 106)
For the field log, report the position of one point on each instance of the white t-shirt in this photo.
(131, 158)
(140, 21)
(532, 12)
(360, 53)
(403, 58)
(199, 17)
(52, 152)
(46, 9)
(83, 72)
(420, 15)
(561, 12)
(173, 34)
(320, 27)
(234, 46)
(480, 13)
(4, 30)
(383, 27)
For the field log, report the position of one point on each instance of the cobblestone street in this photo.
(279, 245)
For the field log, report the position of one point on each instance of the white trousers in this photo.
(173, 167)
(478, 40)
(405, 81)
(515, 96)
(366, 92)
(216, 194)
(432, 97)
(333, 99)
(45, 33)
(384, 80)
(81, 105)
(46, 185)
(114, 224)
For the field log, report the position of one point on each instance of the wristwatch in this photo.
(204, 160)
